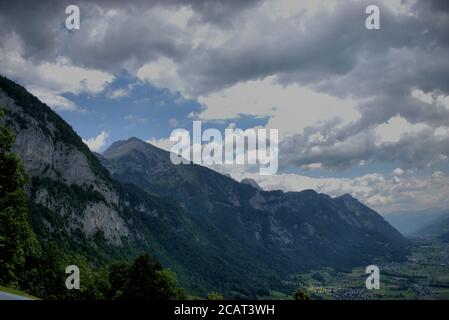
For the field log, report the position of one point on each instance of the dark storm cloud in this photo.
(40, 25)
(217, 11)
(333, 46)
(305, 49)
(414, 150)
(131, 35)
(330, 51)
(330, 44)
(35, 22)
(434, 6)
(350, 144)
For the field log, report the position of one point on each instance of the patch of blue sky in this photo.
(129, 107)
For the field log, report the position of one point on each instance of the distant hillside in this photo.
(438, 228)
(410, 222)
(296, 229)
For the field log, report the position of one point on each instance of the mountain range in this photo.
(409, 223)
(214, 232)
(438, 228)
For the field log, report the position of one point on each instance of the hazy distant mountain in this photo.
(252, 183)
(409, 223)
(437, 228)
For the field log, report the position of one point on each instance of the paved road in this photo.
(10, 296)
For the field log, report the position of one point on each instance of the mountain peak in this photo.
(123, 147)
(346, 196)
(252, 183)
(135, 139)
(349, 200)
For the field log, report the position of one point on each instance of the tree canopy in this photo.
(17, 240)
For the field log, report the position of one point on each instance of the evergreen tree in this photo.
(215, 296)
(141, 280)
(49, 280)
(147, 280)
(166, 286)
(300, 295)
(16, 237)
(118, 276)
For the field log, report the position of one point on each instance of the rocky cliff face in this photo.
(45, 153)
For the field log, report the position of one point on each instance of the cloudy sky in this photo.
(359, 111)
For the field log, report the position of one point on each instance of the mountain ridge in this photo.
(438, 228)
(214, 232)
(206, 193)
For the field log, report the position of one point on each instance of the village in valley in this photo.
(423, 276)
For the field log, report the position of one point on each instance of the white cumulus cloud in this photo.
(97, 143)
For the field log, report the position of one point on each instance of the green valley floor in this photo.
(424, 275)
